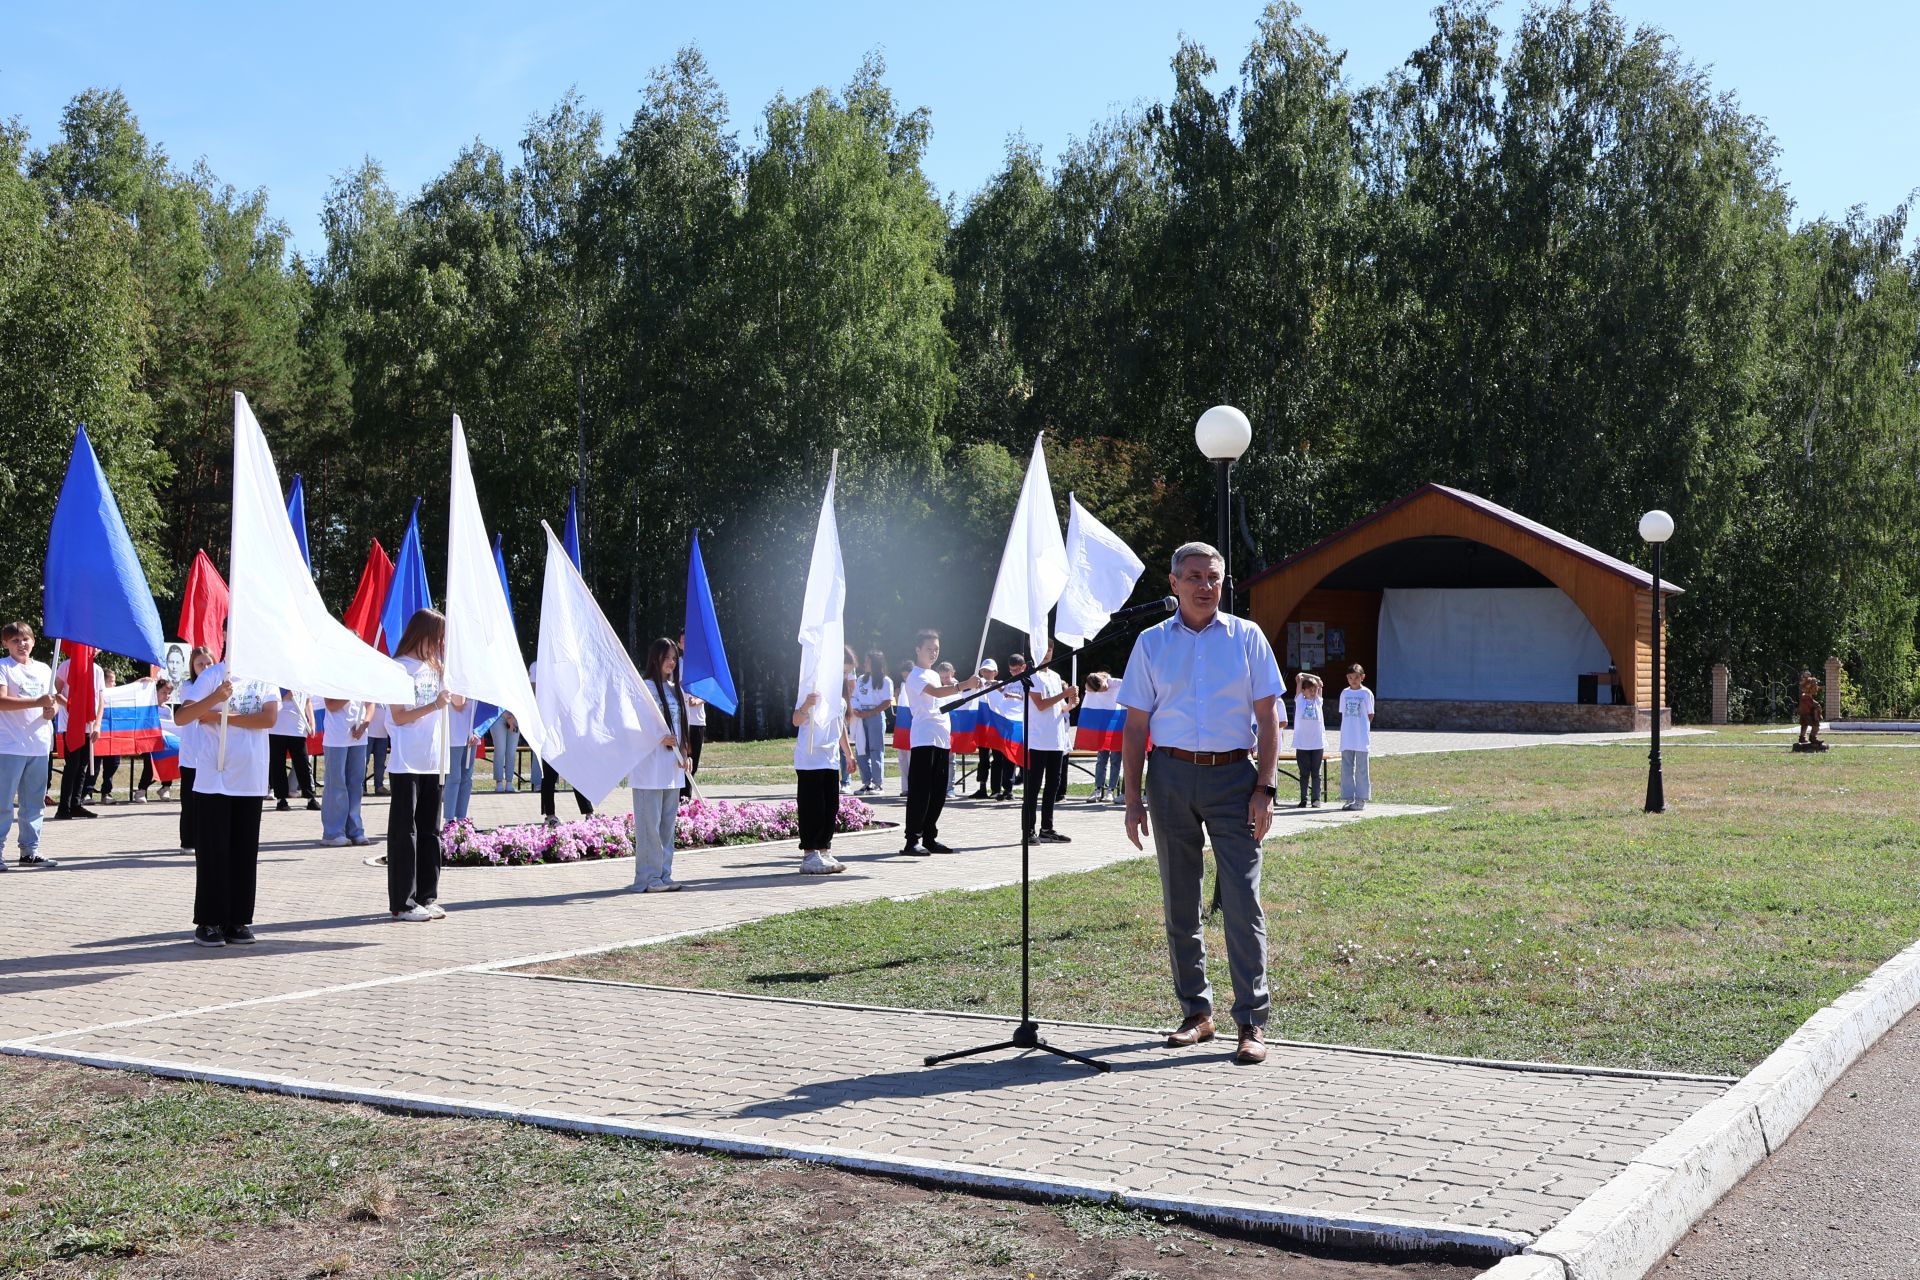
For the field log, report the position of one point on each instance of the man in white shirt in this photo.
(28, 705)
(931, 738)
(1203, 685)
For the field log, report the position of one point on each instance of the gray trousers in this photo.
(1182, 799)
(1356, 784)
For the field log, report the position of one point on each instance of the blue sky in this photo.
(289, 96)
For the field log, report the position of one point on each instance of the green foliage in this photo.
(1555, 267)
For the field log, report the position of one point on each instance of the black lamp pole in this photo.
(1656, 787)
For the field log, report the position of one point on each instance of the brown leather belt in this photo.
(1206, 758)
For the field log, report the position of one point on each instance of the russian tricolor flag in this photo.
(964, 723)
(902, 726)
(129, 722)
(1102, 722)
(1002, 730)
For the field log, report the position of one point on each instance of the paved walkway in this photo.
(1344, 1144)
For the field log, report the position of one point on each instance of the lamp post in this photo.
(1223, 434)
(1656, 527)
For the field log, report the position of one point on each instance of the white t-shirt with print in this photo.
(1356, 729)
(60, 682)
(416, 746)
(245, 772)
(29, 732)
(1310, 724)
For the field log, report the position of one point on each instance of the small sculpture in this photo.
(1810, 713)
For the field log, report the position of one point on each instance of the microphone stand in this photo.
(1026, 1035)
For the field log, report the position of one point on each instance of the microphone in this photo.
(1165, 604)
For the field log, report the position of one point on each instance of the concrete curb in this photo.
(1628, 1225)
(1350, 1231)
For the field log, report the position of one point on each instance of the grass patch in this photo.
(1544, 916)
(109, 1174)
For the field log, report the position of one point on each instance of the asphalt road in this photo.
(1840, 1199)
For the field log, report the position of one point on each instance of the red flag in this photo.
(203, 612)
(363, 615)
(81, 710)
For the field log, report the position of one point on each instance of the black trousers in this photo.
(549, 776)
(413, 839)
(279, 747)
(226, 861)
(926, 792)
(819, 803)
(1308, 763)
(1046, 779)
(696, 739)
(187, 802)
(73, 778)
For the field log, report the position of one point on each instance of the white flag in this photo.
(278, 628)
(1033, 568)
(1101, 571)
(483, 656)
(823, 630)
(600, 720)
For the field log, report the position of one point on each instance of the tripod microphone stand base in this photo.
(1025, 1036)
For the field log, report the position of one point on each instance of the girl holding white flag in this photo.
(418, 741)
(818, 757)
(657, 777)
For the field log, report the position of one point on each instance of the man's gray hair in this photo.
(1189, 549)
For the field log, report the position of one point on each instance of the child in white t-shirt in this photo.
(1356, 739)
(1309, 734)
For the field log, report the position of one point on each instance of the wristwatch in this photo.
(1273, 792)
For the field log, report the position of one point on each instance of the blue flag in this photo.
(408, 592)
(571, 538)
(297, 514)
(95, 592)
(703, 669)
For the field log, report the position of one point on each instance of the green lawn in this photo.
(1543, 916)
(112, 1174)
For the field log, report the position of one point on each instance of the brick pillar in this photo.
(1719, 693)
(1831, 695)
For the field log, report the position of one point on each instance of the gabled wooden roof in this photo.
(1493, 510)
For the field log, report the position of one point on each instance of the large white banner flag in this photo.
(600, 720)
(1033, 568)
(1101, 571)
(823, 628)
(483, 656)
(278, 628)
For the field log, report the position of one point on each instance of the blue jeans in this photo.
(377, 751)
(340, 797)
(506, 750)
(1106, 771)
(459, 786)
(870, 748)
(23, 781)
(654, 814)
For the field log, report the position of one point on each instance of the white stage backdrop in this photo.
(1525, 644)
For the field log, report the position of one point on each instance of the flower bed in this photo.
(701, 824)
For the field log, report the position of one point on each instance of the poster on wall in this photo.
(1313, 657)
(1293, 645)
(1313, 633)
(1336, 642)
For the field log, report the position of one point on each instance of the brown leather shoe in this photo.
(1253, 1048)
(1195, 1030)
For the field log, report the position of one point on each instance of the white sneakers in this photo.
(336, 842)
(413, 914)
(820, 863)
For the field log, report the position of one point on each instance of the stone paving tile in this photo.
(852, 1080)
(96, 961)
